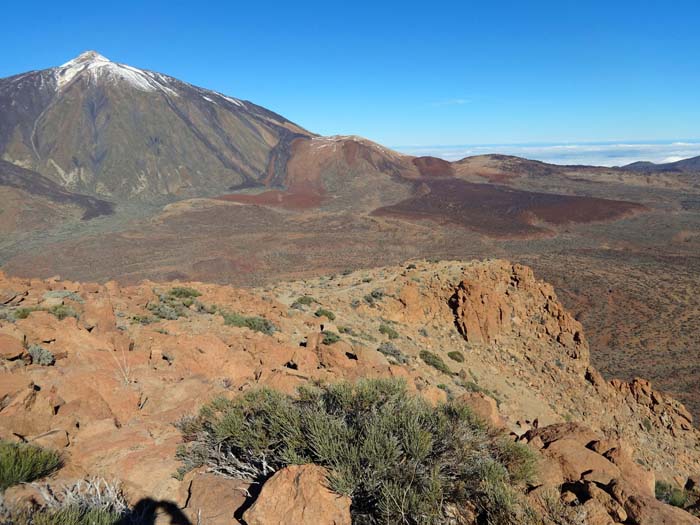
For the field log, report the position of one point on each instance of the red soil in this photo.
(504, 212)
(279, 199)
(433, 167)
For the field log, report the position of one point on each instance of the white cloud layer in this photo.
(592, 154)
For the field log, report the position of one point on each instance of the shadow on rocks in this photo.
(146, 511)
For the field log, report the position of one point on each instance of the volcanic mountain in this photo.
(96, 126)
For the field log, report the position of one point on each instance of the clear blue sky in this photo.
(402, 73)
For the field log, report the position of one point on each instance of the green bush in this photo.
(322, 312)
(374, 296)
(86, 502)
(389, 350)
(41, 356)
(456, 355)
(62, 311)
(670, 494)
(306, 300)
(255, 323)
(22, 463)
(330, 337)
(388, 331)
(435, 361)
(68, 516)
(23, 313)
(400, 459)
(182, 292)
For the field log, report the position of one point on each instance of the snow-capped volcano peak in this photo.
(98, 67)
(86, 58)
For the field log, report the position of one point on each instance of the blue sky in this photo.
(404, 74)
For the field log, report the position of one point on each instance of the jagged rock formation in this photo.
(128, 361)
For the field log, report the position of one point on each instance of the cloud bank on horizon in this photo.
(589, 153)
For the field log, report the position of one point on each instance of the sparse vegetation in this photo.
(330, 337)
(182, 292)
(306, 300)
(388, 331)
(374, 296)
(322, 312)
(23, 312)
(671, 494)
(388, 349)
(41, 356)
(87, 502)
(435, 361)
(63, 294)
(398, 458)
(255, 323)
(22, 463)
(62, 311)
(456, 355)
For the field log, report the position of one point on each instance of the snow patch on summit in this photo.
(100, 67)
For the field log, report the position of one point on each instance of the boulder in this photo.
(643, 510)
(298, 494)
(484, 407)
(10, 347)
(211, 499)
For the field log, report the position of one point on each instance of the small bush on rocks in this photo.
(330, 337)
(322, 312)
(456, 355)
(389, 350)
(87, 502)
(671, 494)
(400, 459)
(183, 292)
(62, 311)
(255, 323)
(435, 361)
(41, 356)
(22, 463)
(388, 331)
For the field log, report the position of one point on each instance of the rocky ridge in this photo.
(129, 361)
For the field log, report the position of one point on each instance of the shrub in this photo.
(62, 311)
(400, 459)
(306, 300)
(456, 355)
(346, 330)
(87, 502)
(182, 292)
(63, 294)
(322, 312)
(23, 313)
(165, 311)
(22, 463)
(435, 361)
(375, 295)
(41, 356)
(389, 350)
(388, 331)
(670, 494)
(330, 337)
(255, 323)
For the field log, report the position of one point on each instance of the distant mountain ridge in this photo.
(96, 126)
(681, 166)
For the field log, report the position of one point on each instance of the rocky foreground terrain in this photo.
(102, 372)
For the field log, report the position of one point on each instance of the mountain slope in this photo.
(691, 165)
(92, 125)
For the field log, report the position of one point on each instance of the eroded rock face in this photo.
(599, 475)
(299, 494)
(497, 302)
